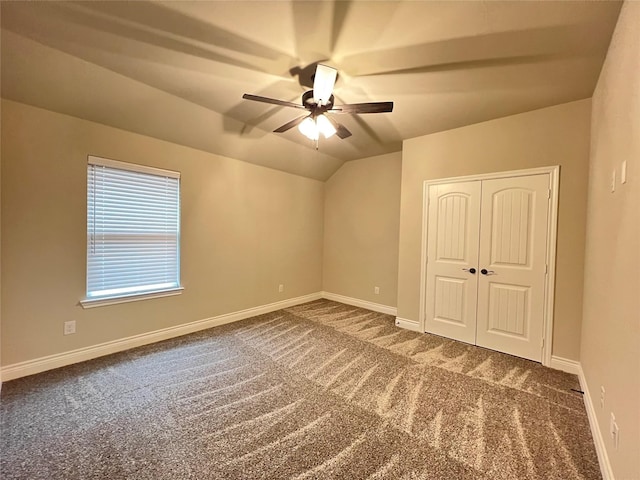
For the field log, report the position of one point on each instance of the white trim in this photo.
(30, 367)
(376, 307)
(422, 314)
(564, 364)
(408, 324)
(552, 231)
(101, 302)
(494, 175)
(550, 287)
(574, 367)
(132, 167)
(596, 433)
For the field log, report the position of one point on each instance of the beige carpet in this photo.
(318, 391)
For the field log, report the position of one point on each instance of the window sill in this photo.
(101, 302)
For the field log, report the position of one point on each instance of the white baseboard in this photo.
(571, 366)
(408, 324)
(30, 367)
(596, 433)
(376, 307)
(564, 364)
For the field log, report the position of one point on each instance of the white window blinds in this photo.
(133, 229)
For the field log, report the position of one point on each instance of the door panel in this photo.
(509, 309)
(511, 224)
(452, 245)
(513, 246)
(450, 296)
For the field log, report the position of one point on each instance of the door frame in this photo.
(552, 233)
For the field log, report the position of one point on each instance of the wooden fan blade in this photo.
(282, 103)
(341, 130)
(371, 107)
(291, 124)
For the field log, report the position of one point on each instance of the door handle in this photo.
(470, 270)
(484, 271)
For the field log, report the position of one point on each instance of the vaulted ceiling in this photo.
(177, 70)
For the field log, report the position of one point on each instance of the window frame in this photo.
(91, 301)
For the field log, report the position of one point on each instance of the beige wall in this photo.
(361, 227)
(610, 354)
(245, 229)
(557, 135)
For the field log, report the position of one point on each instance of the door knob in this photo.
(470, 270)
(484, 271)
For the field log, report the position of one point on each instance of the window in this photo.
(133, 232)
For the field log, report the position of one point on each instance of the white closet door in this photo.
(452, 253)
(512, 264)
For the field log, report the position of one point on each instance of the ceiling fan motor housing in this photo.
(309, 103)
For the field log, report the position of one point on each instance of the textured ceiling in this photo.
(177, 70)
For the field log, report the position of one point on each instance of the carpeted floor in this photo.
(318, 391)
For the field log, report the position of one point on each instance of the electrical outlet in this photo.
(376, 290)
(70, 327)
(281, 288)
(614, 431)
(602, 397)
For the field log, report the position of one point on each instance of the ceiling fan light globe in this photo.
(323, 84)
(309, 128)
(325, 127)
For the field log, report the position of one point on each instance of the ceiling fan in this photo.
(319, 102)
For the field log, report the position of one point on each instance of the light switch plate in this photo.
(623, 172)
